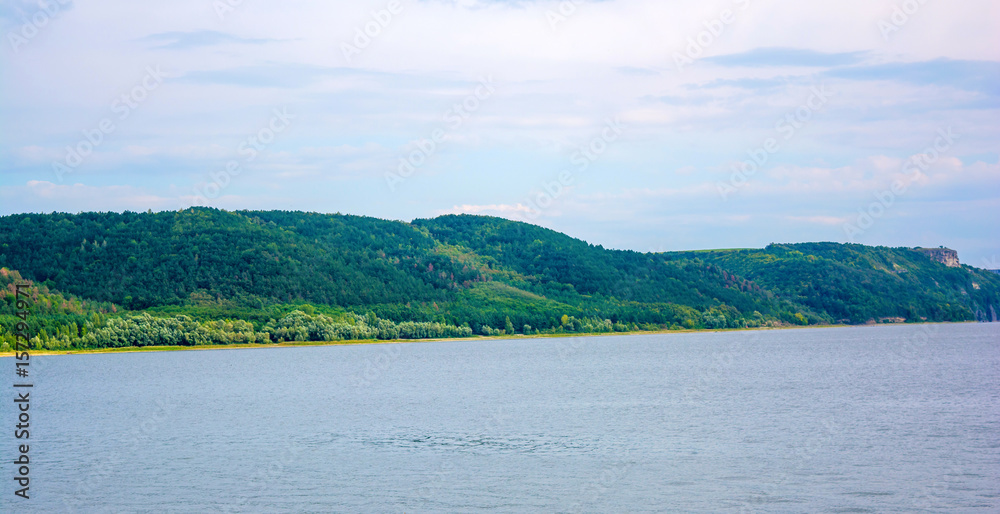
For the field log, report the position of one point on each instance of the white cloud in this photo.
(501, 210)
(554, 89)
(821, 220)
(80, 197)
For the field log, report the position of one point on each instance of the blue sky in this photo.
(620, 122)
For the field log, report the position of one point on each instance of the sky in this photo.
(651, 125)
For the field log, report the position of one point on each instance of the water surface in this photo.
(875, 419)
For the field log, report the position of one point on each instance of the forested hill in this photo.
(853, 283)
(470, 270)
(847, 283)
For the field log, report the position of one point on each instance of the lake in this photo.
(862, 419)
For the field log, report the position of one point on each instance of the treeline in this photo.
(142, 330)
(854, 283)
(451, 271)
(52, 313)
(65, 322)
(254, 259)
(143, 260)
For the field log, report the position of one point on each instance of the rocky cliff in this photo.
(945, 256)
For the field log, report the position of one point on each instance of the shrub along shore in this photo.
(143, 330)
(472, 338)
(202, 277)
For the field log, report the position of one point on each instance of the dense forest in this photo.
(206, 276)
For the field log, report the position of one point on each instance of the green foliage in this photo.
(857, 284)
(58, 317)
(207, 256)
(206, 276)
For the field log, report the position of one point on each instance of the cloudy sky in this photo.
(642, 124)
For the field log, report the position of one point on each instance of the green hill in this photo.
(290, 275)
(854, 283)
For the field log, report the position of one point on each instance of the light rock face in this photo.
(946, 256)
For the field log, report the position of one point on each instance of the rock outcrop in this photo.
(945, 256)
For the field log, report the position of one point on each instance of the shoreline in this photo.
(367, 342)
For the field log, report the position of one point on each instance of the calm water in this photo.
(885, 419)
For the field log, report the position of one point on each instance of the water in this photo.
(881, 419)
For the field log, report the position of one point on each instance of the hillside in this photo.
(53, 314)
(855, 283)
(485, 274)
